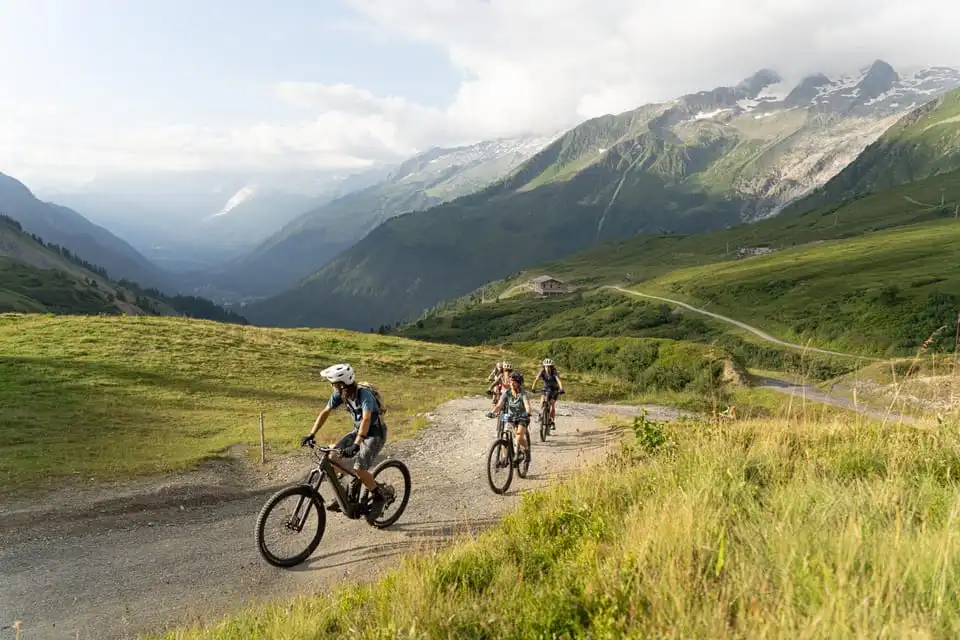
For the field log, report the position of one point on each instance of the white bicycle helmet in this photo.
(339, 373)
(548, 362)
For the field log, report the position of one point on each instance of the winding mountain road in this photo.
(763, 335)
(803, 391)
(128, 564)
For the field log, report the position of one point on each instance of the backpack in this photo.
(376, 394)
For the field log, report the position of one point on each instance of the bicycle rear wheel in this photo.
(391, 489)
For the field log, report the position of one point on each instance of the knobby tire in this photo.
(313, 501)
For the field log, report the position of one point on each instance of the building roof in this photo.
(542, 279)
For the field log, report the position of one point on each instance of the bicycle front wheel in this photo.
(290, 526)
(499, 466)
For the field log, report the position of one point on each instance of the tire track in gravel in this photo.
(172, 563)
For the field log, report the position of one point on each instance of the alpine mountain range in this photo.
(357, 250)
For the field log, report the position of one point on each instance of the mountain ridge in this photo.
(311, 239)
(39, 277)
(64, 226)
(700, 162)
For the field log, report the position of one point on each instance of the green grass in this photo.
(27, 289)
(783, 528)
(648, 256)
(704, 375)
(99, 397)
(607, 314)
(884, 293)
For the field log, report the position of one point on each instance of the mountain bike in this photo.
(547, 424)
(355, 502)
(501, 455)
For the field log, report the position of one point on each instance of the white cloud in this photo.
(527, 66)
(532, 62)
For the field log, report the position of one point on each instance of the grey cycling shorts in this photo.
(369, 449)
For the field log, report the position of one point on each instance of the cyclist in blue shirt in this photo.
(369, 432)
(516, 404)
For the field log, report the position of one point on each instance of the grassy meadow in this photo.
(884, 293)
(98, 397)
(104, 397)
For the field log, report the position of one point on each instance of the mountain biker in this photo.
(495, 379)
(552, 386)
(506, 371)
(369, 432)
(502, 380)
(517, 406)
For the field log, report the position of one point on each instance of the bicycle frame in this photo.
(508, 431)
(326, 468)
(545, 405)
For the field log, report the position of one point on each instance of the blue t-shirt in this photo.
(514, 405)
(365, 401)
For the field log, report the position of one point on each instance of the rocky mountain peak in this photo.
(807, 90)
(759, 81)
(880, 78)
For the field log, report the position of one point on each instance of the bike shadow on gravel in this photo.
(356, 555)
(421, 536)
(444, 528)
(589, 443)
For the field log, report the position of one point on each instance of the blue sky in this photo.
(93, 86)
(166, 61)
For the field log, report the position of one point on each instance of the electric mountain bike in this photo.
(502, 456)
(547, 424)
(306, 503)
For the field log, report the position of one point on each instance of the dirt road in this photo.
(809, 393)
(760, 333)
(118, 565)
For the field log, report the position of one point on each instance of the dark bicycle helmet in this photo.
(516, 375)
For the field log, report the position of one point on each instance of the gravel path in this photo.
(809, 393)
(111, 563)
(754, 330)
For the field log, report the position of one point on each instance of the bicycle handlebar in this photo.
(322, 449)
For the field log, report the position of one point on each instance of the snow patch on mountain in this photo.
(461, 169)
(243, 195)
(775, 92)
(709, 115)
(858, 106)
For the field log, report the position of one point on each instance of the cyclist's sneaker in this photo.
(377, 502)
(333, 505)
